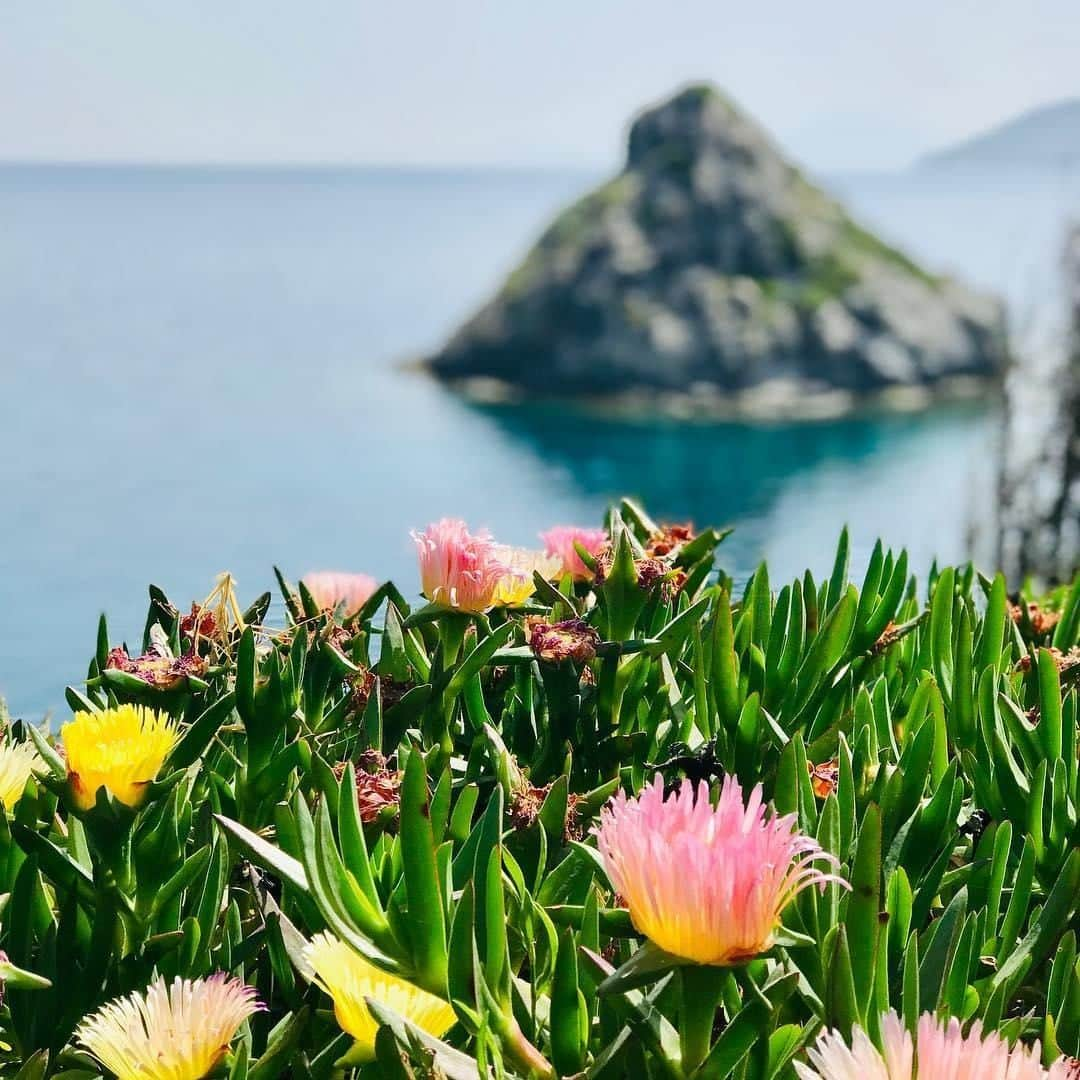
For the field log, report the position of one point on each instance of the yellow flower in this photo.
(516, 585)
(177, 1032)
(118, 749)
(17, 762)
(350, 979)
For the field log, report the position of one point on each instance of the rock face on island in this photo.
(711, 265)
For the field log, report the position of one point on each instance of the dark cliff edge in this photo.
(710, 275)
(1039, 477)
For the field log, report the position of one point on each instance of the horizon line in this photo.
(433, 168)
(313, 166)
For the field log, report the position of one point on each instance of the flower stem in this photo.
(701, 986)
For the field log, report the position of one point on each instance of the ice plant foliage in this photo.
(119, 749)
(706, 883)
(177, 1031)
(350, 980)
(560, 542)
(941, 1052)
(431, 783)
(18, 761)
(332, 589)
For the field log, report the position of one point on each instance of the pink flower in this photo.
(459, 569)
(560, 542)
(331, 589)
(833, 1060)
(941, 1052)
(706, 883)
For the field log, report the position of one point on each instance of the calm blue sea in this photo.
(199, 371)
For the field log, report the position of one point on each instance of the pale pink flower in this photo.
(560, 540)
(832, 1059)
(331, 589)
(941, 1052)
(459, 569)
(706, 883)
(180, 1030)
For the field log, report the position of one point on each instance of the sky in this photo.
(843, 84)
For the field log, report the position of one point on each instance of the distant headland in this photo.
(1047, 137)
(711, 276)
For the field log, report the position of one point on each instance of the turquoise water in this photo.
(199, 371)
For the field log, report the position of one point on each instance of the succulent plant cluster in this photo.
(587, 812)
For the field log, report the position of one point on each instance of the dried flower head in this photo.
(361, 686)
(376, 791)
(1042, 622)
(571, 639)
(199, 623)
(525, 804)
(886, 639)
(824, 777)
(1064, 661)
(156, 667)
(668, 540)
(378, 788)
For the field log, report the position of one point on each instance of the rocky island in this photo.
(711, 274)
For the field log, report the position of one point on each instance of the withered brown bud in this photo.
(361, 685)
(889, 636)
(824, 777)
(668, 540)
(1042, 622)
(200, 623)
(378, 789)
(651, 571)
(371, 760)
(1065, 661)
(155, 668)
(526, 802)
(375, 792)
(572, 639)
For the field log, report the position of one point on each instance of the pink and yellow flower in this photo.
(706, 883)
(180, 1031)
(459, 569)
(560, 540)
(334, 589)
(940, 1051)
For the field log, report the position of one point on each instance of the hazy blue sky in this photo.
(843, 83)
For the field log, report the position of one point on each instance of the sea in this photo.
(207, 369)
